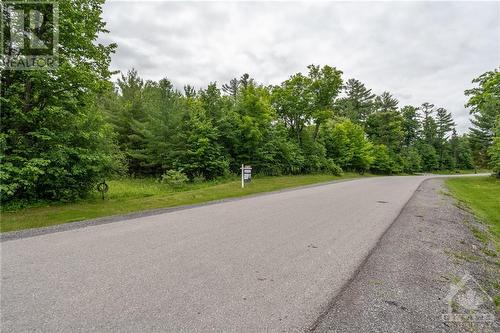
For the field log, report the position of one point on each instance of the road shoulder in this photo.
(427, 272)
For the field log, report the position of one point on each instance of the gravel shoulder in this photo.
(425, 275)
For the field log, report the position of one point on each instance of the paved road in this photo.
(271, 262)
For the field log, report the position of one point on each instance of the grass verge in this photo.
(482, 196)
(133, 195)
(460, 172)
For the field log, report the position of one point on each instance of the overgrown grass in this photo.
(460, 172)
(482, 196)
(132, 195)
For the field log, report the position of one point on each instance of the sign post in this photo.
(246, 175)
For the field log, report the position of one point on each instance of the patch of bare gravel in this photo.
(427, 274)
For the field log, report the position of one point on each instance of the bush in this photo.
(174, 178)
(198, 178)
(332, 168)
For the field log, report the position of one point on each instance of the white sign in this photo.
(246, 174)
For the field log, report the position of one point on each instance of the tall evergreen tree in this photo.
(129, 121)
(386, 102)
(444, 125)
(165, 109)
(357, 105)
(231, 88)
(429, 126)
(386, 127)
(199, 153)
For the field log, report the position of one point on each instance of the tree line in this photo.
(310, 122)
(64, 130)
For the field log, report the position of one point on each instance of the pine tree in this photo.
(386, 102)
(444, 125)
(386, 127)
(199, 153)
(358, 104)
(429, 126)
(231, 88)
(129, 119)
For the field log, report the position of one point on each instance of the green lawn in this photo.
(132, 195)
(482, 195)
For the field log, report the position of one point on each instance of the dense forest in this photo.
(64, 130)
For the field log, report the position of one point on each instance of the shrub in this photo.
(333, 168)
(198, 178)
(174, 178)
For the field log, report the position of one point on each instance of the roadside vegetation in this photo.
(132, 195)
(482, 196)
(460, 172)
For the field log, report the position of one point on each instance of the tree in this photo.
(128, 120)
(444, 125)
(189, 91)
(246, 125)
(385, 103)
(461, 151)
(429, 126)
(484, 101)
(277, 154)
(54, 139)
(346, 144)
(358, 103)
(325, 85)
(386, 127)
(199, 153)
(231, 88)
(165, 109)
(293, 101)
(304, 99)
(429, 156)
(494, 150)
(382, 162)
(411, 125)
(213, 102)
(411, 160)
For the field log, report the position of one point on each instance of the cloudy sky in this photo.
(418, 51)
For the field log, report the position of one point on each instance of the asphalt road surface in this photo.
(270, 262)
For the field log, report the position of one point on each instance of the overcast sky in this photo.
(418, 51)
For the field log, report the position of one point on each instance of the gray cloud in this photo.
(419, 51)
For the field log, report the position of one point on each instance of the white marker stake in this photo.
(242, 177)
